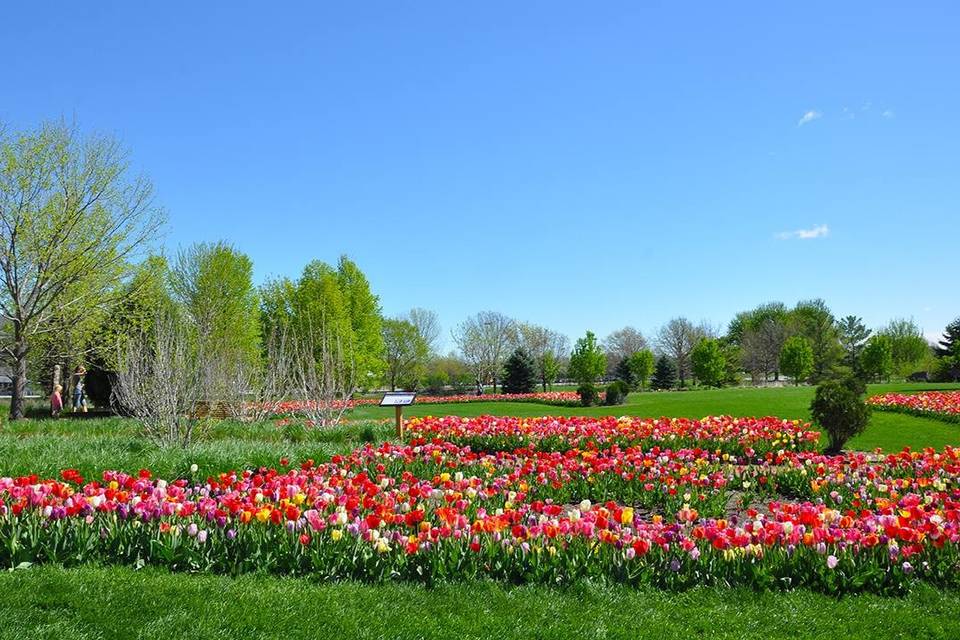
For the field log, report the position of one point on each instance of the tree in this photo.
(950, 345)
(853, 335)
(428, 328)
(363, 310)
(330, 312)
(484, 341)
(547, 348)
(160, 381)
(664, 375)
(213, 283)
(519, 372)
(838, 408)
(708, 362)
(813, 320)
(641, 365)
(624, 373)
(71, 219)
(623, 343)
(676, 339)
(760, 348)
(796, 358)
(406, 353)
(877, 358)
(588, 361)
(908, 345)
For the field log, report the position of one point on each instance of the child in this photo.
(56, 401)
(79, 393)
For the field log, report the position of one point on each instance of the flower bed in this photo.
(656, 512)
(943, 405)
(554, 398)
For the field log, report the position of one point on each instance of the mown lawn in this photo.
(116, 602)
(92, 602)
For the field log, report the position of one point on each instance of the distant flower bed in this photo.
(556, 398)
(944, 405)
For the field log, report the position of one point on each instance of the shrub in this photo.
(839, 409)
(98, 385)
(588, 394)
(617, 393)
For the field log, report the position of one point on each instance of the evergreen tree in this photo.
(853, 336)
(664, 374)
(624, 373)
(519, 372)
(950, 345)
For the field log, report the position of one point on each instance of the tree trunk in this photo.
(18, 396)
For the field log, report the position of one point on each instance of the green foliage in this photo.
(708, 362)
(624, 373)
(73, 216)
(616, 393)
(909, 348)
(839, 409)
(588, 361)
(853, 335)
(406, 353)
(641, 366)
(588, 394)
(813, 320)
(363, 310)
(519, 372)
(950, 344)
(796, 358)
(333, 308)
(877, 359)
(664, 375)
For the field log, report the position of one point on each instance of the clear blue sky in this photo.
(581, 165)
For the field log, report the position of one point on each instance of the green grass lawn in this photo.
(117, 602)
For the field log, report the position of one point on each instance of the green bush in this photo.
(588, 394)
(617, 393)
(839, 409)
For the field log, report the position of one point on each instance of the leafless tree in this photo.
(676, 340)
(760, 348)
(428, 327)
(485, 340)
(324, 376)
(547, 347)
(159, 383)
(259, 393)
(622, 344)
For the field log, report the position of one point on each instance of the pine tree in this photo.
(519, 373)
(950, 345)
(664, 375)
(625, 373)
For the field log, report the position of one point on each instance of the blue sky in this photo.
(580, 165)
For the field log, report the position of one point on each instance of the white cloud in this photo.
(888, 114)
(819, 231)
(808, 117)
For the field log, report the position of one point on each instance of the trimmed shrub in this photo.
(588, 394)
(839, 409)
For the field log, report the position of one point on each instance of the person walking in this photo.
(79, 392)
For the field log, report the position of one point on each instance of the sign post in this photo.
(398, 400)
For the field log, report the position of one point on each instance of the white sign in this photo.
(397, 399)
